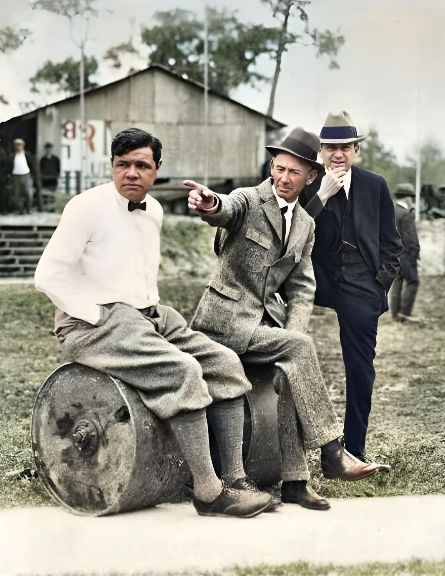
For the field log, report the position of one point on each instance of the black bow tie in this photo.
(136, 206)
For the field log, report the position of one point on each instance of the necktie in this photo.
(136, 206)
(283, 228)
(341, 195)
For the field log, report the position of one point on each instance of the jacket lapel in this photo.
(364, 203)
(270, 207)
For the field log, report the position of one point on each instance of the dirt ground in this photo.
(407, 426)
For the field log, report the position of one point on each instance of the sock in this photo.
(226, 419)
(191, 433)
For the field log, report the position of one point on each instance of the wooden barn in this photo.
(229, 148)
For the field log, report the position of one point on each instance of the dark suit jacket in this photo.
(374, 224)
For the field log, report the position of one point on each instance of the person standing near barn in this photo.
(49, 168)
(404, 290)
(100, 269)
(24, 178)
(260, 301)
(355, 258)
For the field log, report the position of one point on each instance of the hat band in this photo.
(300, 149)
(338, 132)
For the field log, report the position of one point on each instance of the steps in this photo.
(21, 246)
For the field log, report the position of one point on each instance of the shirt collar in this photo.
(124, 201)
(282, 202)
(347, 182)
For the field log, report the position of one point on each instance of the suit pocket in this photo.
(216, 310)
(256, 249)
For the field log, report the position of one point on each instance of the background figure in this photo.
(23, 175)
(4, 177)
(49, 168)
(355, 257)
(406, 283)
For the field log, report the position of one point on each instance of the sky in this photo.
(391, 76)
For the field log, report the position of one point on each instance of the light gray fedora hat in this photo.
(338, 128)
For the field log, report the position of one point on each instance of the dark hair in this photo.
(132, 139)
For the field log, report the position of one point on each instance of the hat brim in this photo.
(274, 150)
(341, 140)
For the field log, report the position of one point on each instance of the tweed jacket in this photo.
(252, 276)
(374, 223)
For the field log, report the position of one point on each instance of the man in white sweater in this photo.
(100, 270)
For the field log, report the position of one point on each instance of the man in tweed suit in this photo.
(100, 270)
(259, 305)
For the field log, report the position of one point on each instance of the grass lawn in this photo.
(407, 426)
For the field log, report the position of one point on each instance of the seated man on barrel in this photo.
(100, 270)
(259, 305)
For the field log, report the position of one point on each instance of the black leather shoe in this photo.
(338, 464)
(380, 467)
(299, 492)
(231, 502)
(248, 484)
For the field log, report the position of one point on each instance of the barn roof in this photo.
(271, 123)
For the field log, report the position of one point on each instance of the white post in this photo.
(206, 96)
(82, 135)
(418, 181)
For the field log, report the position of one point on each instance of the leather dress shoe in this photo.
(230, 502)
(380, 467)
(299, 492)
(246, 483)
(338, 464)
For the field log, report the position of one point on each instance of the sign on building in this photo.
(96, 144)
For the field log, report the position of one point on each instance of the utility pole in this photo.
(206, 96)
(82, 126)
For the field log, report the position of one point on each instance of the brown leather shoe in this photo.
(380, 467)
(339, 464)
(299, 492)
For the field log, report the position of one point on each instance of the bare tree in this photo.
(76, 11)
(10, 40)
(327, 42)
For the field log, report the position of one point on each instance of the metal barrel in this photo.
(261, 448)
(99, 450)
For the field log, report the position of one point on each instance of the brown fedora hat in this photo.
(302, 144)
(339, 129)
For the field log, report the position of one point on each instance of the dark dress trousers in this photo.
(355, 258)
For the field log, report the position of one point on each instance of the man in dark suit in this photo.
(49, 168)
(355, 257)
(260, 301)
(406, 283)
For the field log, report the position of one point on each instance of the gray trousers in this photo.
(174, 368)
(22, 190)
(306, 416)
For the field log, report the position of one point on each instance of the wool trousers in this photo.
(175, 369)
(306, 416)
